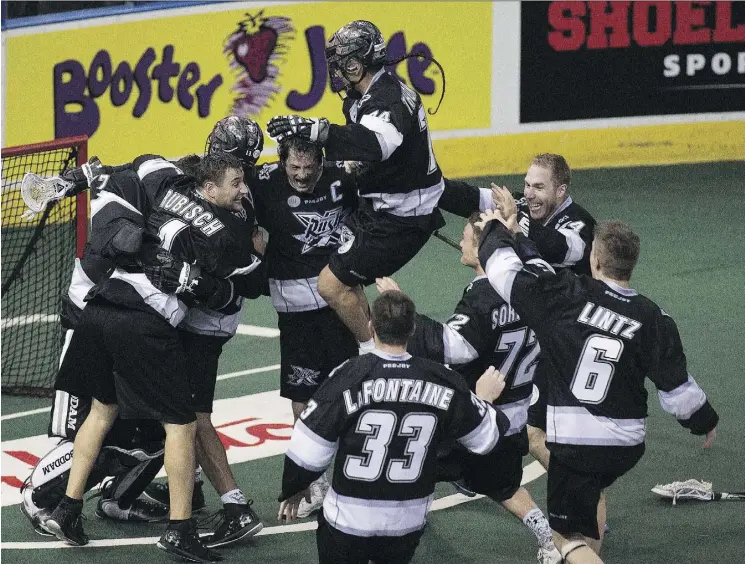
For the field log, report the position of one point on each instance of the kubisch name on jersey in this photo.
(181, 205)
(321, 230)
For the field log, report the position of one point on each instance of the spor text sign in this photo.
(583, 60)
(161, 83)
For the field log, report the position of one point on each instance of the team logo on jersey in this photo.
(303, 376)
(254, 51)
(321, 230)
(535, 394)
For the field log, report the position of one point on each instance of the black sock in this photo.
(180, 524)
(71, 501)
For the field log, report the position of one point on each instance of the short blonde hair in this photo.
(560, 171)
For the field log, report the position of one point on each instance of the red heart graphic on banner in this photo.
(253, 52)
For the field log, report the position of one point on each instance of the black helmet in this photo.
(359, 40)
(238, 136)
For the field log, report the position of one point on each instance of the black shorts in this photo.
(311, 343)
(375, 244)
(537, 408)
(573, 498)
(335, 547)
(497, 474)
(131, 358)
(202, 356)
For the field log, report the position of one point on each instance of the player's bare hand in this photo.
(487, 216)
(710, 438)
(490, 385)
(289, 507)
(386, 284)
(506, 205)
(257, 237)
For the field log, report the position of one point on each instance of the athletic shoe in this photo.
(159, 493)
(460, 485)
(234, 522)
(552, 556)
(66, 523)
(35, 515)
(318, 491)
(182, 541)
(141, 511)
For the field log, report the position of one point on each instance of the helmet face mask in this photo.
(357, 42)
(238, 136)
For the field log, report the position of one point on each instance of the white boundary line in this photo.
(530, 473)
(221, 377)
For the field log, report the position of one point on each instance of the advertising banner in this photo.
(585, 60)
(148, 83)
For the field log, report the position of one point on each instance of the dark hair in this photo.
(393, 317)
(560, 171)
(616, 248)
(299, 146)
(189, 164)
(214, 165)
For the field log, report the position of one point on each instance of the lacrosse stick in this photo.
(693, 489)
(37, 192)
(446, 240)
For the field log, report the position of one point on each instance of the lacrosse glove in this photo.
(315, 130)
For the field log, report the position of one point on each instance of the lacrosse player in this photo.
(485, 331)
(399, 185)
(137, 309)
(382, 417)
(601, 339)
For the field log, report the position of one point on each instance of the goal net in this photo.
(37, 259)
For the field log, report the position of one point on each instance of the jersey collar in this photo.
(388, 356)
(620, 289)
(568, 202)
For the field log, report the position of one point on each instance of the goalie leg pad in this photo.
(129, 484)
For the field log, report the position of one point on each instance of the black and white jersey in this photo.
(383, 418)
(304, 229)
(121, 199)
(564, 239)
(484, 331)
(191, 228)
(600, 341)
(387, 130)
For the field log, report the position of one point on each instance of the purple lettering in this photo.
(314, 36)
(72, 91)
(163, 73)
(121, 84)
(416, 68)
(143, 82)
(101, 64)
(396, 49)
(188, 78)
(205, 93)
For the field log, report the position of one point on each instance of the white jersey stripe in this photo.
(577, 426)
(368, 518)
(683, 401)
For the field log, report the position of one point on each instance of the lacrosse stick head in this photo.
(688, 489)
(37, 192)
